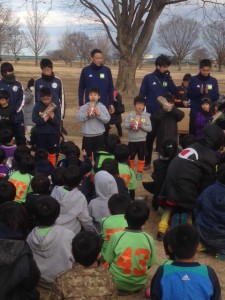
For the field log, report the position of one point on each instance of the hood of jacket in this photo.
(212, 137)
(10, 250)
(105, 185)
(44, 246)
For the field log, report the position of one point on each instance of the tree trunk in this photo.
(179, 65)
(36, 60)
(219, 66)
(126, 75)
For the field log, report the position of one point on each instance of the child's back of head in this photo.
(72, 177)
(86, 247)
(7, 191)
(187, 141)
(57, 176)
(111, 141)
(184, 240)
(137, 213)
(6, 137)
(20, 152)
(118, 204)
(46, 211)
(40, 184)
(26, 164)
(41, 154)
(121, 153)
(111, 166)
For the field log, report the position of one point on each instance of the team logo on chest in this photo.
(189, 154)
(15, 88)
(54, 85)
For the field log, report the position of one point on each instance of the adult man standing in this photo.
(96, 75)
(158, 83)
(201, 85)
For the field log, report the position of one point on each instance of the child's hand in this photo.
(51, 114)
(140, 125)
(84, 153)
(90, 111)
(202, 89)
(133, 123)
(111, 109)
(46, 118)
(97, 112)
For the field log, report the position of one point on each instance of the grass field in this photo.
(70, 77)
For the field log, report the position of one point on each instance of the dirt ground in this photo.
(70, 77)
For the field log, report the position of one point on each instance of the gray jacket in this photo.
(93, 126)
(140, 135)
(73, 210)
(28, 107)
(52, 253)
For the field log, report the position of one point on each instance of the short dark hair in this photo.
(6, 136)
(4, 94)
(72, 176)
(221, 173)
(6, 67)
(137, 213)
(187, 140)
(20, 152)
(2, 155)
(170, 98)
(169, 148)
(121, 153)
(14, 215)
(46, 63)
(166, 244)
(118, 203)
(206, 100)
(70, 148)
(26, 164)
(94, 51)
(94, 90)
(46, 210)
(40, 183)
(45, 92)
(57, 176)
(139, 99)
(111, 141)
(205, 63)
(111, 166)
(7, 191)
(86, 247)
(184, 240)
(187, 77)
(41, 154)
(162, 60)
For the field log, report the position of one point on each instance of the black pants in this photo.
(19, 133)
(192, 126)
(137, 148)
(151, 136)
(49, 142)
(93, 144)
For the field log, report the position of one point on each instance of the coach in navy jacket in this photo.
(201, 85)
(96, 75)
(158, 83)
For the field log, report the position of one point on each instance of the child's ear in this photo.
(99, 256)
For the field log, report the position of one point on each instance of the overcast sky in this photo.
(61, 19)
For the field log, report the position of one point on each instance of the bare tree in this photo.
(8, 21)
(101, 41)
(66, 46)
(36, 36)
(200, 53)
(124, 21)
(179, 37)
(214, 36)
(16, 42)
(82, 44)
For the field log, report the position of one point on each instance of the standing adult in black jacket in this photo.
(19, 273)
(193, 169)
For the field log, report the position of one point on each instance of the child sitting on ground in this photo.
(209, 215)
(86, 280)
(138, 124)
(43, 165)
(57, 179)
(166, 154)
(185, 276)
(203, 117)
(50, 243)
(73, 204)
(105, 187)
(93, 116)
(131, 252)
(122, 155)
(22, 178)
(117, 205)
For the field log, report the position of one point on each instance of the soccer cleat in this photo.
(184, 218)
(175, 220)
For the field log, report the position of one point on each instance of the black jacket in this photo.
(7, 118)
(191, 171)
(19, 273)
